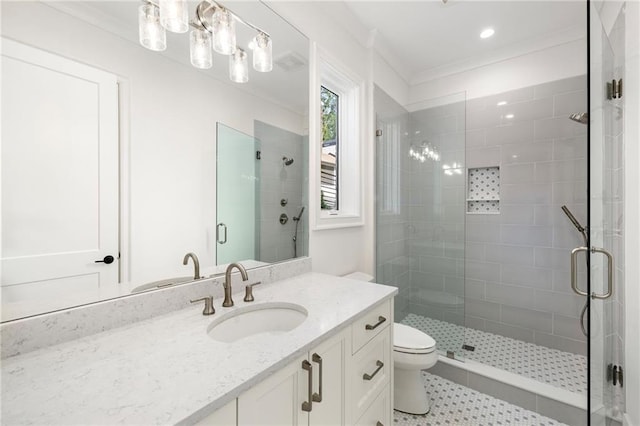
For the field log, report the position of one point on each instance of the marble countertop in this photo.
(167, 370)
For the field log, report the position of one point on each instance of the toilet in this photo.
(413, 351)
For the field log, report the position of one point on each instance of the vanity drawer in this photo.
(371, 370)
(370, 325)
(379, 412)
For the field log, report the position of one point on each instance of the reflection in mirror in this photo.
(262, 189)
(109, 151)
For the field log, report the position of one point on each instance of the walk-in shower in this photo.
(481, 255)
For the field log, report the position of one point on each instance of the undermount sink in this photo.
(267, 318)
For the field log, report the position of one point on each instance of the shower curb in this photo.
(559, 404)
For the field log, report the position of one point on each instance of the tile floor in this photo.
(562, 369)
(453, 404)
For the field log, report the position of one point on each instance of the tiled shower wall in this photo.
(505, 273)
(281, 182)
(517, 262)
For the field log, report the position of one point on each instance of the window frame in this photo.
(351, 117)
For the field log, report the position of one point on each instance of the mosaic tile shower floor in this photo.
(456, 405)
(561, 369)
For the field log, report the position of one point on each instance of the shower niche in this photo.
(483, 190)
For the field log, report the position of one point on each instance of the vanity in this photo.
(335, 367)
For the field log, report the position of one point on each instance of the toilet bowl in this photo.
(413, 351)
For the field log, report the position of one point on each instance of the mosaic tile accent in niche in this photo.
(453, 404)
(483, 188)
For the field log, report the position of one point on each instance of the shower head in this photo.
(573, 219)
(580, 117)
(287, 161)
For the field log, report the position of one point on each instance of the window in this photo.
(337, 147)
(329, 195)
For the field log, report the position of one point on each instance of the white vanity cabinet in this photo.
(345, 380)
(308, 391)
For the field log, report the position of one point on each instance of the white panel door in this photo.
(59, 181)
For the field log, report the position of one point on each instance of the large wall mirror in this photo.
(118, 161)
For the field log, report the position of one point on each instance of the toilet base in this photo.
(410, 395)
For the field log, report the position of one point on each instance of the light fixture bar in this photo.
(205, 10)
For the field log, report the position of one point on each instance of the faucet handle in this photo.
(248, 293)
(208, 305)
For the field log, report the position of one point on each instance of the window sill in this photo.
(336, 221)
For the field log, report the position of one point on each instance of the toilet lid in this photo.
(407, 339)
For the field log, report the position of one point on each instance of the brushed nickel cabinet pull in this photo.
(307, 405)
(381, 319)
(366, 376)
(317, 397)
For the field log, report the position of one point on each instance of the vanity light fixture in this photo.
(223, 27)
(151, 33)
(174, 15)
(262, 53)
(487, 32)
(200, 47)
(213, 29)
(239, 66)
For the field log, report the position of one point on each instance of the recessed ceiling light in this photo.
(502, 103)
(487, 32)
(509, 116)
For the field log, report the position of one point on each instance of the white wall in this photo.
(343, 250)
(168, 117)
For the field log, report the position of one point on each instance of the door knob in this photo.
(107, 259)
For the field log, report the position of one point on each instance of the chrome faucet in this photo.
(228, 301)
(196, 264)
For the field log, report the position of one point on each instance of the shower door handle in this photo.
(218, 233)
(609, 274)
(574, 270)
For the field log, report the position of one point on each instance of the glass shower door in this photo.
(237, 207)
(420, 214)
(605, 208)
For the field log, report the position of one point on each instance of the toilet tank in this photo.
(359, 276)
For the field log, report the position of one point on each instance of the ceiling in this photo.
(426, 39)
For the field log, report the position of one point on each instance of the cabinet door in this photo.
(379, 413)
(328, 361)
(274, 401)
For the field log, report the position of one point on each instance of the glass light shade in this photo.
(262, 53)
(239, 67)
(200, 46)
(224, 31)
(174, 15)
(151, 32)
